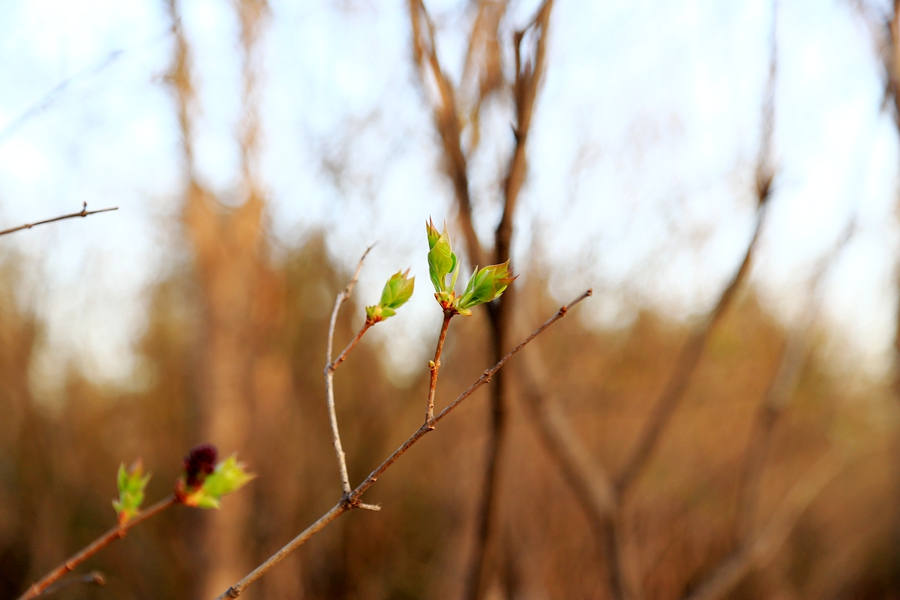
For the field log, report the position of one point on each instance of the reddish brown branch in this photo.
(434, 366)
(353, 500)
(94, 547)
(84, 212)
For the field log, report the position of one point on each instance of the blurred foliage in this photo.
(58, 466)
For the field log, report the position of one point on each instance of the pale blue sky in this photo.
(642, 153)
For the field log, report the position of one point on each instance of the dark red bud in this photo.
(200, 462)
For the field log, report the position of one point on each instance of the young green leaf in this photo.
(131, 484)
(484, 286)
(397, 290)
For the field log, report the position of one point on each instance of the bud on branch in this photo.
(203, 482)
(484, 286)
(397, 290)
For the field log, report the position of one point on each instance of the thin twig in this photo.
(332, 365)
(84, 212)
(353, 500)
(94, 577)
(57, 91)
(94, 547)
(434, 366)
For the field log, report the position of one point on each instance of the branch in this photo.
(692, 351)
(84, 212)
(758, 552)
(590, 482)
(94, 577)
(58, 90)
(778, 394)
(332, 365)
(94, 547)
(353, 500)
(446, 121)
(434, 366)
(685, 366)
(525, 88)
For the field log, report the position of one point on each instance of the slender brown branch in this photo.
(238, 588)
(343, 355)
(684, 369)
(690, 355)
(332, 365)
(353, 500)
(434, 366)
(94, 547)
(84, 212)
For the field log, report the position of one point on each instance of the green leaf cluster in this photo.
(485, 285)
(397, 290)
(228, 477)
(131, 483)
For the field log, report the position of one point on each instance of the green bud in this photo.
(229, 476)
(131, 484)
(441, 259)
(397, 290)
(484, 286)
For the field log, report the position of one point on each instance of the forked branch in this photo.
(332, 365)
(446, 119)
(84, 212)
(354, 499)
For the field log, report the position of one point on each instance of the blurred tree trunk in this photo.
(244, 383)
(226, 253)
